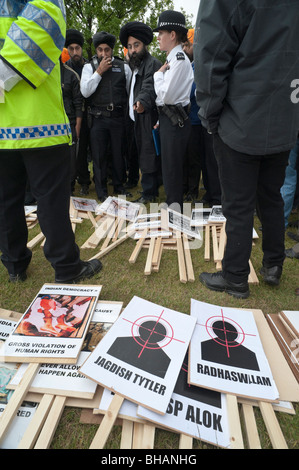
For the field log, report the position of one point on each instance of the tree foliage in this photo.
(90, 16)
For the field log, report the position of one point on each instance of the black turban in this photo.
(138, 30)
(101, 37)
(73, 37)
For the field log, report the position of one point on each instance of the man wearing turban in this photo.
(135, 37)
(105, 83)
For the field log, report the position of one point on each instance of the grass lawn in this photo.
(122, 280)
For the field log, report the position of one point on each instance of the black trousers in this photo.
(82, 170)
(174, 141)
(108, 133)
(249, 181)
(48, 171)
(192, 162)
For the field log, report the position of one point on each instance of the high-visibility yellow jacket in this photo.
(32, 36)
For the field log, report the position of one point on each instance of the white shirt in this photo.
(131, 97)
(90, 79)
(174, 85)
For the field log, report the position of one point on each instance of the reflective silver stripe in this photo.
(34, 132)
(30, 48)
(46, 22)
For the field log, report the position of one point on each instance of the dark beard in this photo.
(135, 59)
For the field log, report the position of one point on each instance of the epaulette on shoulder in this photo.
(180, 56)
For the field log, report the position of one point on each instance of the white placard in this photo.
(120, 208)
(140, 356)
(226, 353)
(182, 223)
(59, 379)
(194, 411)
(107, 312)
(84, 204)
(6, 327)
(217, 215)
(54, 326)
(18, 426)
(200, 217)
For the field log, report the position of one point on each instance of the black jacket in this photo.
(144, 92)
(72, 97)
(246, 55)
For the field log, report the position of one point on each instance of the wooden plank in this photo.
(127, 434)
(148, 264)
(156, 254)
(17, 398)
(138, 436)
(275, 433)
(105, 428)
(188, 259)
(215, 244)
(252, 278)
(186, 442)
(92, 219)
(31, 434)
(47, 433)
(236, 437)
(207, 255)
(148, 437)
(138, 247)
(113, 245)
(181, 258)
(250, 426)
(36, 240)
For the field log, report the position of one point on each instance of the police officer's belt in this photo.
(177, 113)
(106, 111)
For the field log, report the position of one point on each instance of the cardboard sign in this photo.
(84, 204)
(174, 220)
(194, 411)
(226, 353)
(119, 208)
(54, 326)
(59, 379)
(141, 355)
(200, 217)
(19, 425)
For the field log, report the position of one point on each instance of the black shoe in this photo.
(271, 275)
(216, 282)
(290, 253)
(18, 277)
(293, 236)
(89, 269)
(145, 200)
(84, 191)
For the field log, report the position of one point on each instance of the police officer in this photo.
(105, 82)
(34, 141)
(173, 82)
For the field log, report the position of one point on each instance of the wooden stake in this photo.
(181, 258)
(251, 427)
(138, 247)
(49, 428)
(33, 430)
(186, 442)
(127, 434)
(104, 430)
(277, 438)
(148, 265)
(207, 255)
(236, 437)
(188, 259)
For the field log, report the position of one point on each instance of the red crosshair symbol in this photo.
(224, 330)
(147, 344)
